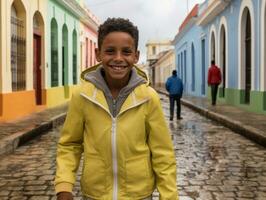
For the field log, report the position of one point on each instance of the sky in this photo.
(156, 19)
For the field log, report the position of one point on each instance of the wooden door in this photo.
(37, 73)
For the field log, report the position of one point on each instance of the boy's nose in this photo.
(118, 56)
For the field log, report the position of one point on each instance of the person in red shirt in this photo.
(214, 79)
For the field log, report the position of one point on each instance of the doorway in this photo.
(37, 73)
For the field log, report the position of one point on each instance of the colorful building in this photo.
(69, 25)
(190, 50)
(39, 53)
(153, 49)
(232, 33)
(164, 67)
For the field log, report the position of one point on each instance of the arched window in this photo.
(246, 59)
(185, 70)
(74, 56)
(18, 46)
(193, 67)
(54, 54)
(203, 66)
(65, 55)
(38, 52)
(213, 46)
(246, 53)
(223, 59)
(182, 67)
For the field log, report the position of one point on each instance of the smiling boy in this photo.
(115, 119)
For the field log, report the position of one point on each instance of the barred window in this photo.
(18, 52)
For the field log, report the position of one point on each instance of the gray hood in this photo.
(96, 77)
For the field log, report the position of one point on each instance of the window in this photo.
(153, 50)
(74, 56)
(54, 53)
(18, 50)
(87, 53)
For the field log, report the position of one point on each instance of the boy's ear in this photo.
(136, 57)
(97, 54)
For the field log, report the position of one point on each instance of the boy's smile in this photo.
(118, 54)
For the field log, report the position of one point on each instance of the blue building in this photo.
(231, 32)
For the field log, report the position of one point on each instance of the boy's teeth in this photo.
(118, 67)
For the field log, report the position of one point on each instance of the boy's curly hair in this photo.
(120, 25)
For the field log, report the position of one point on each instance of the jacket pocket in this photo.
(139, 176)
(93, 181)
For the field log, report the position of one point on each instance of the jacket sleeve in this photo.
(209, 76)
(167, 84)
(163, 156)
(70, 147)
(182, 88)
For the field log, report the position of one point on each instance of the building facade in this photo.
(22, 68)
(191, 55)
(39, 56)
(72, 36)
(232, 33)
(88, 40)
(164, 67)
(153, 50)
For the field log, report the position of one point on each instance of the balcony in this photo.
(214, 8)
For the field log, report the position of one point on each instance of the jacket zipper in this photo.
(113, 142)
(114, 158)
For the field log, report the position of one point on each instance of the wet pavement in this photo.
(30, 121)
(251, 125)
(17, 132)
(214, 163)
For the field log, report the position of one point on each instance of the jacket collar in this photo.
(135, 98)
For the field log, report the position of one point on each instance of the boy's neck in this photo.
(116, 85)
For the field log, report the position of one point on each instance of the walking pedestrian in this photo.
(116, 121)
(214, 79)
(174, 86)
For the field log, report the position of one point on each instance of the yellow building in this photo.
(154, 49)
(41, 54)
(164, 67)
(22, 31)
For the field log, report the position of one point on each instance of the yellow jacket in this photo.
(125, 157)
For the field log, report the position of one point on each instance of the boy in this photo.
(116, 120)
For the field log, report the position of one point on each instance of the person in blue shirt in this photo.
(174, 86)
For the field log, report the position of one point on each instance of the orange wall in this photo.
(17, 104)
(1, 105)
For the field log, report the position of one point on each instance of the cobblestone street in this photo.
(214, 163)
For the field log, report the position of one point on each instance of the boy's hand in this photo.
(64, 196)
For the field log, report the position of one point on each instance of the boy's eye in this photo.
(109, 51)
(127, 51)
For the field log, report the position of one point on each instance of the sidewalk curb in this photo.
(10, 143)
(245, 130)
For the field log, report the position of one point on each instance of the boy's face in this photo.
(118, 55)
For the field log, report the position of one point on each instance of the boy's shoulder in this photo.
(84, 87)
(146, 89)
(149, 92)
